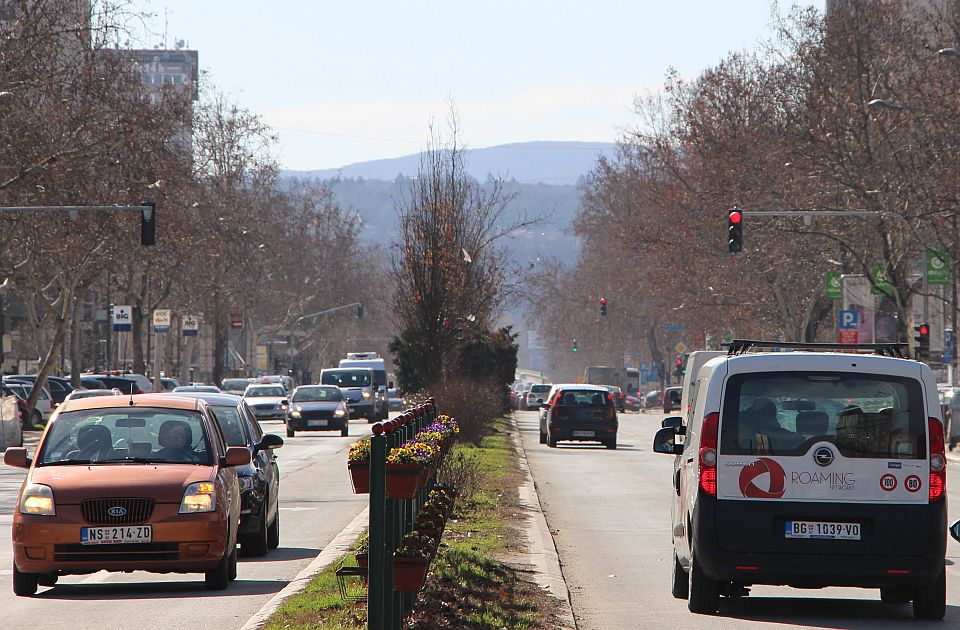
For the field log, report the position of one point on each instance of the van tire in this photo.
(24, 584)
(704, 592)
(930, 602)
(681, 583)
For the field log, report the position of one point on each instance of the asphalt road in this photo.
(609, 512)
(316, 502)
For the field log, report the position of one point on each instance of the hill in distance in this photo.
(548, 162)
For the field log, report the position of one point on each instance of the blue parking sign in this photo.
(848, 319)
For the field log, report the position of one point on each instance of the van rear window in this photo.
(784, 413)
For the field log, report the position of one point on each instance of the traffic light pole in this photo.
(148, 215)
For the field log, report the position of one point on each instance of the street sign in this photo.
(190, 326)
(938, 266)
(847, 336)
(879, 281)
(947, 346)
(680, 348)
(161, 320)
(673, 327)
(236, 320)
(122, 317)
(832, 285)
(848, 319)
(727, 336)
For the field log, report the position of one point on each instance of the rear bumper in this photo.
(270, 414)
(564, 431)
(333, 424)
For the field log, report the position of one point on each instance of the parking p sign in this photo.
(848, 319)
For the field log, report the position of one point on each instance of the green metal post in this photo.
(376, 586)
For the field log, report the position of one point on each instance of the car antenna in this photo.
(131, 395)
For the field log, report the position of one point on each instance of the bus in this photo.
(602, 375)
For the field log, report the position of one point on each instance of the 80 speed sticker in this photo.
(912, 483)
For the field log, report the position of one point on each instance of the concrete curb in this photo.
(337, 547)
(543, 554)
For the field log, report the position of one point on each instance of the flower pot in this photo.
(429, 531)
(409, 574)
(363, 560)
(405, 480)
(360, 476)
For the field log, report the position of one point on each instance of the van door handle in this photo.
(689, 460)
(676, 482)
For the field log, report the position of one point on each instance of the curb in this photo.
(336, 548)
(543, 550)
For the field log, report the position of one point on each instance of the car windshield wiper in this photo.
(131, 458)
(62, 462)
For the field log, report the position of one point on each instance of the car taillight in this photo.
(938, 461)
(708, 454)
(136, 390)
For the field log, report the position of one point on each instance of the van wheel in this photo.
(704, 593)
(930, 602)
(681, 585)
(895, 595)
(24, 584)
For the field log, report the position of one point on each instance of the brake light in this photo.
(707, 461)
(938, 461)
(136, 390)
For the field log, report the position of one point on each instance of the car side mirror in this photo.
(672, 422)
(664, 441)
(284, 403)
(269, 441)
(236, 456)
(954, 529)
(17, 456)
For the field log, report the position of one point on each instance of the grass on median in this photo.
(469, 587)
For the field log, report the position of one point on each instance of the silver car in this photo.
(268, 402)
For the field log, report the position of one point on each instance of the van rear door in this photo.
(823, 462)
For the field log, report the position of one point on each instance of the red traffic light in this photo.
(603, 300)
(735, 216)
(924, 329)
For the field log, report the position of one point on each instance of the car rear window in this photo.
(539, 389)
(784, 413)
(582, 398)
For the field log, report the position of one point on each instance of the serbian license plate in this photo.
(822, 530)
(583, 434)
(316, 423)
(116, 535)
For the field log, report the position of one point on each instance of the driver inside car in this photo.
(175, 439)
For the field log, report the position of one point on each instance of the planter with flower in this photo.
(361, 550)
(358, 463)
(411, 562)
(408, 468)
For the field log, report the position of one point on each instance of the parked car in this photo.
(318, 408)
(209, 389)
(58, 387)
(633, 402)
(821, 468)
(43, 408)
(141, 483)
(89, 393)
(619, 400)
(523, 398)
(259, 480)
(235, 385)
(581, 413)
(22, 412)
(89, 382)
(269, 402)
(126, 382)
(11, 420)
(169, 384)
(671, 399)
(653, 399)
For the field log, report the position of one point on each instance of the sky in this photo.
(356, 80)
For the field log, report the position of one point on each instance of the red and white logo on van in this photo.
(775, 477)
(888, 483)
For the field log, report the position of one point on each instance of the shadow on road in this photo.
(158, 590)
(282, 554)
(828, 613)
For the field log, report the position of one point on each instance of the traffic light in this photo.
(574, 348)
(923, 340)
(148, 225)
(359, 310)
(603, 306)
(678, 367)
(735, 230)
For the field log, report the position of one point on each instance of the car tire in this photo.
(681, 581)
(551, 441)
(895, 595)
(48, 579)
(611, 444)
(930, 602)
(24, 584)
(345, 430)
(290, 432)
(218, 578)
(256, 544)
(703, 593)
(232, 565)
(273, 533)
(37, 418)
(543, 437)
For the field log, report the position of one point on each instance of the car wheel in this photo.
(543, 437)
(611, 443)
(273, 533)
(24, 584)
(703, 592)
(345, 430)
(551, 441)
(930, 602)
(895, 595)
(290, 432)
(37, 417)
(232, 565)
(49, 579)
(681, 584)
(218, 578)
(256, 544)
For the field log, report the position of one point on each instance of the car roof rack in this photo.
(742, 346)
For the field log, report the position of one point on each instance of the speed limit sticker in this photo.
(888, 483)
(912, 483)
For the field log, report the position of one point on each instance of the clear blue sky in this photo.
(355, 80)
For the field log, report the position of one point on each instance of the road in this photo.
(610, 515)
(316, 502)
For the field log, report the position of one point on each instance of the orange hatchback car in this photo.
(128, 483)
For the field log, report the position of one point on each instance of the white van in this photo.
(376, 363)
(810, 469)
(357, 385)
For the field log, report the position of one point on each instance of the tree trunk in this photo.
(139, 366)
(75, 360)
(220, 333)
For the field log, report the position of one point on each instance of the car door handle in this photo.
(689, 460)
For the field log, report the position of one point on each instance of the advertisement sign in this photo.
(236, 320)
(122, 317)
(161, 320)
(938, 266)
(822, 474)
(879, 281)
(190, 325)
(832, 285)
(847, 335)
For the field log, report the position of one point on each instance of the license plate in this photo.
(583, 434)
(316, 423)
(116, 535)
(822, 530)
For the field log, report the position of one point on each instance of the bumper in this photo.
(270, 414)
(361, 410)
(180, 544)
(332, 424)
(566, 430)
